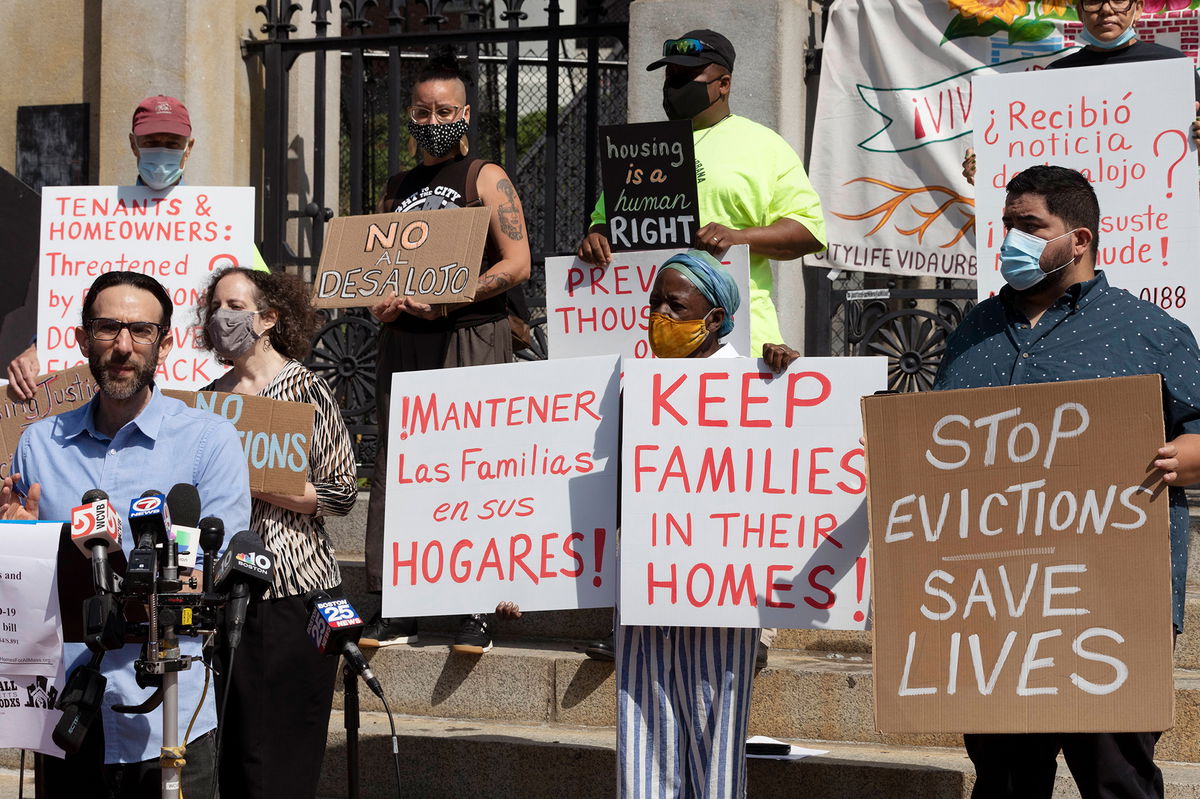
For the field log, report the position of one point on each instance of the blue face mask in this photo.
(1021, 259)
(160, 166)
(1087, 38)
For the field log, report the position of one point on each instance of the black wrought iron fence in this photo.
(541, 93)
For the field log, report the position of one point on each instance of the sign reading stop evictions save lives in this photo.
(1022, 568)
(178, 236)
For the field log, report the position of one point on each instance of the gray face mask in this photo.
(231, 333)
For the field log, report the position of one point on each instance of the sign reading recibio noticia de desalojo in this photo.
(431, 256)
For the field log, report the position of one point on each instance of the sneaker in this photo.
(388, 632)
(474, 637)
(603, 649)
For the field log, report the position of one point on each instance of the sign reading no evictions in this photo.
(432, 256)
(1022, 572)
(649, 176)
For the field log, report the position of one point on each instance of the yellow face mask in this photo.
(673, 338)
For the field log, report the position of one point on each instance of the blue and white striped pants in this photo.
(683, 708)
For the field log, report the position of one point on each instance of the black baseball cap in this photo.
(696, 49)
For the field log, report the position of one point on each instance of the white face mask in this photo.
(160, 167)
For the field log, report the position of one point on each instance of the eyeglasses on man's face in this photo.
(1117, 6)
(102, 329)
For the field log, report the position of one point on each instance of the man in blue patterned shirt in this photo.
(1058, 319)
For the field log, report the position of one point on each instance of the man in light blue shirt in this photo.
(128, 439)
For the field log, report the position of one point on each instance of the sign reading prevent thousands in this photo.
(431, 256)
(1022, 573)
(649, 176)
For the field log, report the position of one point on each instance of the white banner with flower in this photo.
(896, 82)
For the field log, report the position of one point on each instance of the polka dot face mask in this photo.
(438, 140)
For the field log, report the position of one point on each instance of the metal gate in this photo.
(540, 93)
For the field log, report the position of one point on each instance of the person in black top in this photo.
(1109, 38)
(416, 336)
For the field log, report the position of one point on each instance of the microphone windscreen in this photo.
(183, 501)
(246, 559)
(93, 495)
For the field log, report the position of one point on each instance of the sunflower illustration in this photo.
(1003, 10)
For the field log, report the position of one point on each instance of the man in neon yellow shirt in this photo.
(751, 185)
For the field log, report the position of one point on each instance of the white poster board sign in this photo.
(597, 310)
(743, 493)
(177, 236)
(31, 665)
(1126, 128)
(502, 485)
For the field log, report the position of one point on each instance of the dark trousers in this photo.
(1105, 765)
(280, 696)
(84, 775)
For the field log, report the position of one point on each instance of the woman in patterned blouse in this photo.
(280, 689)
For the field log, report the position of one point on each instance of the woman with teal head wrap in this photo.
(691, 306)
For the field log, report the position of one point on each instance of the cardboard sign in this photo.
(177, 236)
(649, 176)
(56, 393)
(502, 485)
(1127, 129)
(1022, 566)
(743, 493)
(275, 434)
(596, 310)
(432, 256)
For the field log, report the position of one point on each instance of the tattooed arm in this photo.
(506, 230)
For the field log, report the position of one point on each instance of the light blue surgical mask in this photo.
(1021, 258)
(160, 167)
(1087, 38)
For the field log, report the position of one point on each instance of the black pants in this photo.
(280, 696)
(1104, 765)
(84, 775)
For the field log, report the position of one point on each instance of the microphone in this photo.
(212, 535)
(335, 627)
(246, 565)
(149, 521)
(183, 501)
(96, 531)
(80, 704)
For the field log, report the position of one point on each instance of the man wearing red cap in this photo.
(161, 140)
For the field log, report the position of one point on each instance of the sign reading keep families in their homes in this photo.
(649, 175)
(602, 310)
(743, 500)
(502, 485)
(1021, 559)
(179, 237)
(431, 256)
(31, 667)
(1126, 128)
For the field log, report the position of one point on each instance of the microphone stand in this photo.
(351, 716)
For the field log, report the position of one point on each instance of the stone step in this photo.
(798, 695)
(451, 758)
(347, 533)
